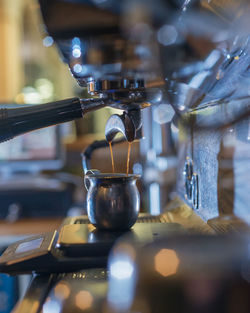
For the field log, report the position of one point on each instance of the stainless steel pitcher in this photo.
(113, 200)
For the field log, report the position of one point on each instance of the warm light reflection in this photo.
(27, 305)
(62, 290)
(166, 262)
(84, 299)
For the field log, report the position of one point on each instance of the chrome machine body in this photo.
(189, 59)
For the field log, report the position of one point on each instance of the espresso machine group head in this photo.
(134, 53)
(101, 58)
(111, 49)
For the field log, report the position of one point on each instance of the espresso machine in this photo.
(179, 72)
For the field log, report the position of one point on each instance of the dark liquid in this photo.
(128, 156)
(112, 157)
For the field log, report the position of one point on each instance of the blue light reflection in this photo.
(123, 276)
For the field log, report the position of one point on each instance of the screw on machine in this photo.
(191, 184)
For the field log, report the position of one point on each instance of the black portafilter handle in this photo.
(14, 122)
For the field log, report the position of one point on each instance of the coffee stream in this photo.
(112, 156)
(128, 156)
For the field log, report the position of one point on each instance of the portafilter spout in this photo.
(129, 124)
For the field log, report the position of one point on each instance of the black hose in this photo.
(97, 144)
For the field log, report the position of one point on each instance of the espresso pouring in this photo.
(112, 156)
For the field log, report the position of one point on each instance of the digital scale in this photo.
(76, 246)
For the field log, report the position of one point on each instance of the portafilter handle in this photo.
(17, 121)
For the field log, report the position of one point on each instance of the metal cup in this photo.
(113, 200)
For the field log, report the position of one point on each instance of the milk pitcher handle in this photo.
(87, 180)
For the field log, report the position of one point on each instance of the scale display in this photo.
(29, 245)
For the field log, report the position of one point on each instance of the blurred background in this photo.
(41, 172)
(31, 73)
